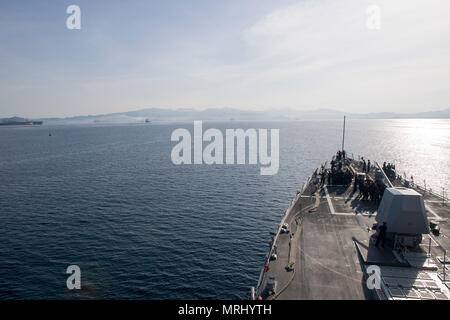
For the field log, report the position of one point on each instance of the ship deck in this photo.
(330, 245)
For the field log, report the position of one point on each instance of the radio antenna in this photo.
(343, 136)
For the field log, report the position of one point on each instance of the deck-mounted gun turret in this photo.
(403, 210)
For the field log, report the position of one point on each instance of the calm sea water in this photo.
(109, 199)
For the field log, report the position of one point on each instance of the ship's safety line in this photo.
(340, 198)
(435, 242)
(333, 212)
(330, 205)
(432, 211)
(355, 214)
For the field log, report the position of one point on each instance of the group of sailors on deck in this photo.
(365, 166)
(340, 155)
(369, 189)
(341, 174)
(338, 175)
(389, 169)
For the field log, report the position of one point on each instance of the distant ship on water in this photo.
(16, 121)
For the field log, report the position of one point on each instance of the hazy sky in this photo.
(249, 54)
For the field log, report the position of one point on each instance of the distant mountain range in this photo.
(230, 114)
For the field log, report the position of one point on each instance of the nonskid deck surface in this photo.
(330, 245)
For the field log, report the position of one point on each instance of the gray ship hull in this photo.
(330, 246)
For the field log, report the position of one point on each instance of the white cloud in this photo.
(320, 53)
(313, 54)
